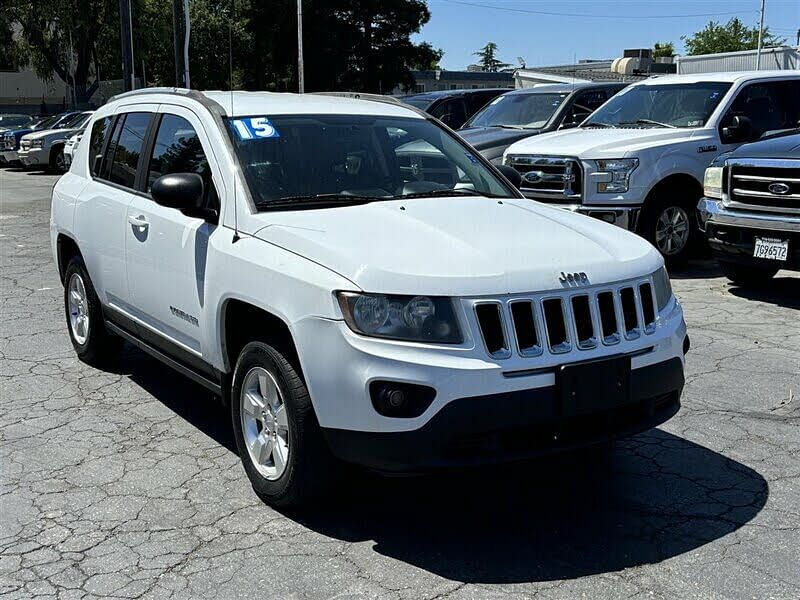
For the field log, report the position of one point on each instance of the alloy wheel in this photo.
(672, 230)
(78, 309)
(264, 423)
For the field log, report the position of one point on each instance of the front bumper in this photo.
(731, 233)
(9, 156)
(626, 217)
(33, 157)
(513, 426)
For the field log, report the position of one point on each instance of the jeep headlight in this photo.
(617, 174)
(37, 143)
(410, 318)
(662, 288)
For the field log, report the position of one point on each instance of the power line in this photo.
(595, 16)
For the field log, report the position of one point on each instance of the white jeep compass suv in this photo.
(359, 284)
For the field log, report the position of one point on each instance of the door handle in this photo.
(139, 221)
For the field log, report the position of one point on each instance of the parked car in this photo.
(45, 149)
(9, 141)
(639, 160)
(276, 249)
(12, 121)
(751, 209)
(520, 114)
(453, 107)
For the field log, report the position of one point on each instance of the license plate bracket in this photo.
(770, 248)
(594, 386)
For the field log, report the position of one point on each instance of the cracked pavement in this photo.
(125, 483)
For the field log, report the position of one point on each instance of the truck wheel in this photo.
(745, 275)
(93, 343)
(277, 433)
(58, 163)
(669, 223)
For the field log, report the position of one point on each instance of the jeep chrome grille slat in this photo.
(560, 322)
(550, 179)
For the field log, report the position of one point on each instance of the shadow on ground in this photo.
(781, 291)
(647, 499)
(696, 269)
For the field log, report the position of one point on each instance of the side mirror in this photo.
(511, 174)
(183, 191)
(740, 129)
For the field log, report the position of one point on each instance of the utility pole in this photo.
(760, 37)
(126, 35)
(301, 86)
(181, 29)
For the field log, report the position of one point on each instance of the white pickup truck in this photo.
(639, 160)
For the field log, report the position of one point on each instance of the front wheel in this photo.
(277, 434)
(747, 275)
(670, 225)
(58, 162)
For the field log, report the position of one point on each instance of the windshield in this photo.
(528, 111)
(77, 121)
(14, 120)
(668, 105)
(307, 159)
(45, 123)
(420, 103)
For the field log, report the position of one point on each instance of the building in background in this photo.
(435, 81)
(780, 58)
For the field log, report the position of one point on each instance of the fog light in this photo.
(400, 400)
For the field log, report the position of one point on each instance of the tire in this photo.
(58, 162)
(669, 222)
(277, 434)
(746, 275)
(93, 343)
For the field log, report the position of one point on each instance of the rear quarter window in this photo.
(100, 131)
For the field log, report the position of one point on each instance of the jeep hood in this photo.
(458, 246)
(592, 143)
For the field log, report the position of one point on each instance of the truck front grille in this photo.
(556, 323)
(549, 179)
(764, 185)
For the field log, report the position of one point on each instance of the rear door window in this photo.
(100, 132)
(127, 147)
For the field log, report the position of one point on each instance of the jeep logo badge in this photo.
(533, 176)
(573, 279)
(778, 188)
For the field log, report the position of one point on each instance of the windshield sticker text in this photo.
(254, 128)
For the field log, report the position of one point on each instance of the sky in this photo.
(460, 27)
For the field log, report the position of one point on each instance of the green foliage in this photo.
(663, 49)
(487, 58)
(733, 36)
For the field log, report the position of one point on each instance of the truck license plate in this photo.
(771, 248)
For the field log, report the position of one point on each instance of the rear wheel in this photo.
(279, 439)
(747, 275)
(92, 342)
(668, 222)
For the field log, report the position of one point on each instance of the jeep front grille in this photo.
(573, 319)
(549, 179)
(764, 185)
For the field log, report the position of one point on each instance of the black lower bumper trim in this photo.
(735, 245)
(513, 426)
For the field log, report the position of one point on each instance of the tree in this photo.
(664, 50)
(731, 37)
(488, 58)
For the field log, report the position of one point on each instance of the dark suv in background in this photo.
(751, 208)
(453, 107)
(530, 111)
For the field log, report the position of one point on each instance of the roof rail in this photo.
(361, 96)
(158, 90)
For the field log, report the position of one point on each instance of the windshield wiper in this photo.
(509, 126)
(648, 122)
(446, 193)
(597, 124)
(320, 201)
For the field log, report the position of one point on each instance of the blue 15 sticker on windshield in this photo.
(254, 128)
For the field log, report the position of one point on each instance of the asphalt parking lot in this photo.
(125, 483)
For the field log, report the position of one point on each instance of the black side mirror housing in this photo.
(183, 191)
(740, 129)
(511, 174)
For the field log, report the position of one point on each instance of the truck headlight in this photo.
(37, 143)
(617, 173)
(409, 318)
(662, 288)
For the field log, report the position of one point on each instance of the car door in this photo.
(166, 250)
(101, 209)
